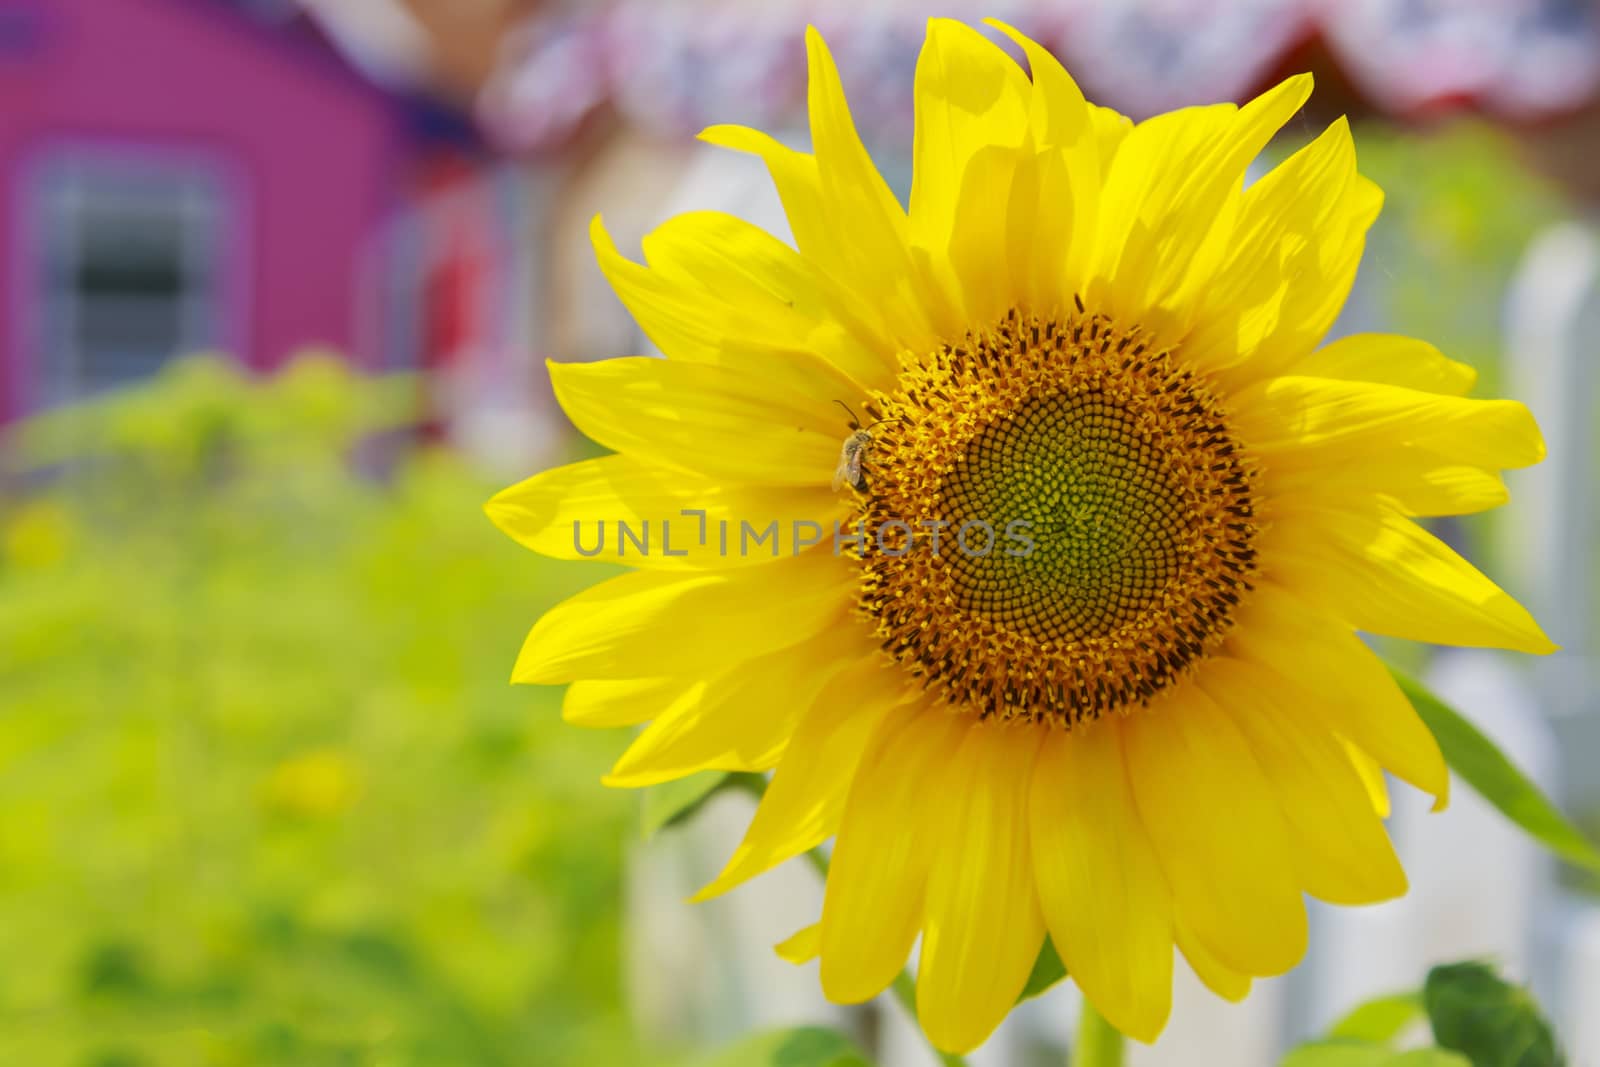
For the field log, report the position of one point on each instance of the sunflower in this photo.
(1072, 654)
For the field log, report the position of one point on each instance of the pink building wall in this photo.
(312, 159)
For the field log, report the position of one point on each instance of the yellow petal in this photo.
(994, 237)
(1223, 981)
(1056, 261)
(1340, 851)
(655, 623)
(720, 289)
(802, 805)
(1105, 899)
(1068, 163)
(1218, 832)
(802, 946)
(1318, 278)
(969, 96)
(1370, 771)
(1168, 183)
(1111, 129)
(875, 259)
(1420, 481)
(817, 217)
(704, 418)
(1321, 285)
(884, 849)
(875, 266)
(1140, 191)
(983, 928)
(848, 174)
(799, 186)
(1340, 682)
(1392, 360)
(1451, 490)
(672, 315)
(1380, 572)
(1280, 272)
(619, 509)
(1058, 114)
(1295, 422)
(625, 702)
(742, 719)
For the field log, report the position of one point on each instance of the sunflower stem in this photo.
(1098, 1043)
(904, 987)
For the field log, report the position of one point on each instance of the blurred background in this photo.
(277, 281)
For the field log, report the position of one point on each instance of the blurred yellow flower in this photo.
(317, 783)
(38, 536)
(1122, 703)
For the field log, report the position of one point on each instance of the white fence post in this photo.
(1553, 319)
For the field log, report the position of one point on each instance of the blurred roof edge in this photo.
(674, 67)
(338, 47)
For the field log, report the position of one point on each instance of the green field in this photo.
(266, 796)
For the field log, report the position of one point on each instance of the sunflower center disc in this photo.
(1075, 472)
(1059, 521)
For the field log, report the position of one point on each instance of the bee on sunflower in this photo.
(1156, 729)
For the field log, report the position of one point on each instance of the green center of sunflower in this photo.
(1059, 522)
(1095, 499)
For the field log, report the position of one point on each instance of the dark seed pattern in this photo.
(1136, 499)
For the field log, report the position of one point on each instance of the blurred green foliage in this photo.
(266, 796)
(1491, 1021)
(1460, 209)
(1478, 1019)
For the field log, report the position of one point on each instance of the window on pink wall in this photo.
(130, 269)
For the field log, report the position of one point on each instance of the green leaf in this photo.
(1047, 971)
(1428, 1057)
(1363, 1054)
(805, 1046)
(672, 802)
(1338, 1054)
(1484, 767)
(1491, 1021)
(1379, 1020)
